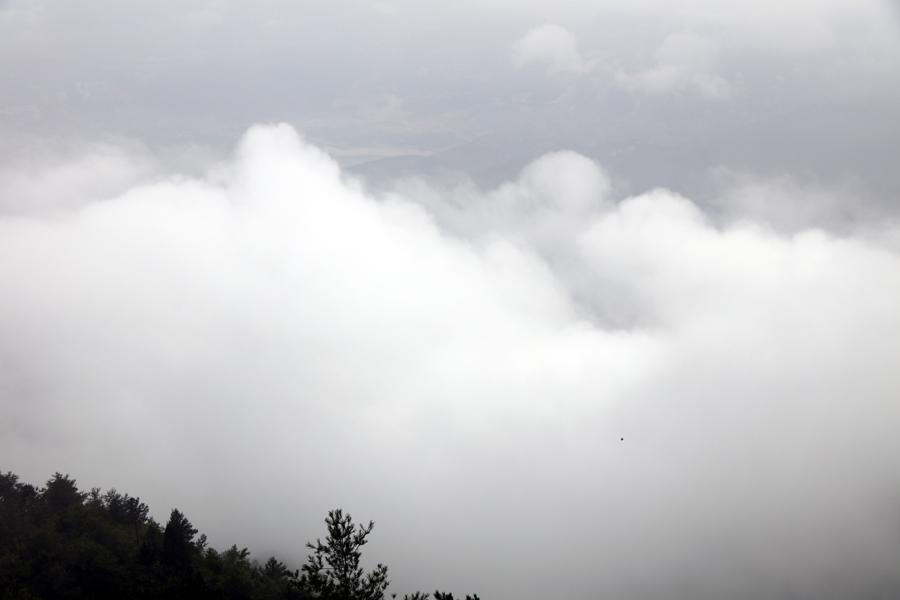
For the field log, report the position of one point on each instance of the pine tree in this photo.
(332, 572)
(178, 540)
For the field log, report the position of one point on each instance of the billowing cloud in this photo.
(552, 47)
(805, 86)
(684, 62)
(65, 182)
(271, 340)
(789, 204)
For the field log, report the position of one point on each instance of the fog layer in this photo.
(539, 389)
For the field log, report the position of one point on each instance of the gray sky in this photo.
(430, 262)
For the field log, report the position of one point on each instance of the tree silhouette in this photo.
(332, 571)
(178, 540)
(438, 595)
(60, 543)
(61, 493)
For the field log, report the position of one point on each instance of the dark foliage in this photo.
(57, 542)
(332, 571)
(437, 596)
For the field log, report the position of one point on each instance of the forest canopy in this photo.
(59, 542)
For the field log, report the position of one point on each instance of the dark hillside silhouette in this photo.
(57, 542)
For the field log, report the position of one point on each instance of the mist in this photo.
(588, 300)
(616, 392)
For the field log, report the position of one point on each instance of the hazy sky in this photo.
(431, 262)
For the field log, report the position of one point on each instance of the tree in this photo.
(58, 542)
(275, 569)
(332, 571)
(177, 546)
(438, 595)
(61, 493)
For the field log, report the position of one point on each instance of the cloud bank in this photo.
(552, 47)
(682, 63)
(461, 365)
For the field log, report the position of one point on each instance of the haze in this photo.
(591, 300)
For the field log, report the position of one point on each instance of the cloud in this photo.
(61, 183)
(270, 340)
(551, 190)
(789, 204)
(552, 47)
(684, 62)
(52, 177)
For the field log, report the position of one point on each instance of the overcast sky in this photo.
(575, 300)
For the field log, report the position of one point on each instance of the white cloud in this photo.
(52, 177)
(270, 341)
(552, 47)
(789, 204)
(684, 62)
(68, 182)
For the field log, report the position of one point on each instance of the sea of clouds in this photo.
(536, 390)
